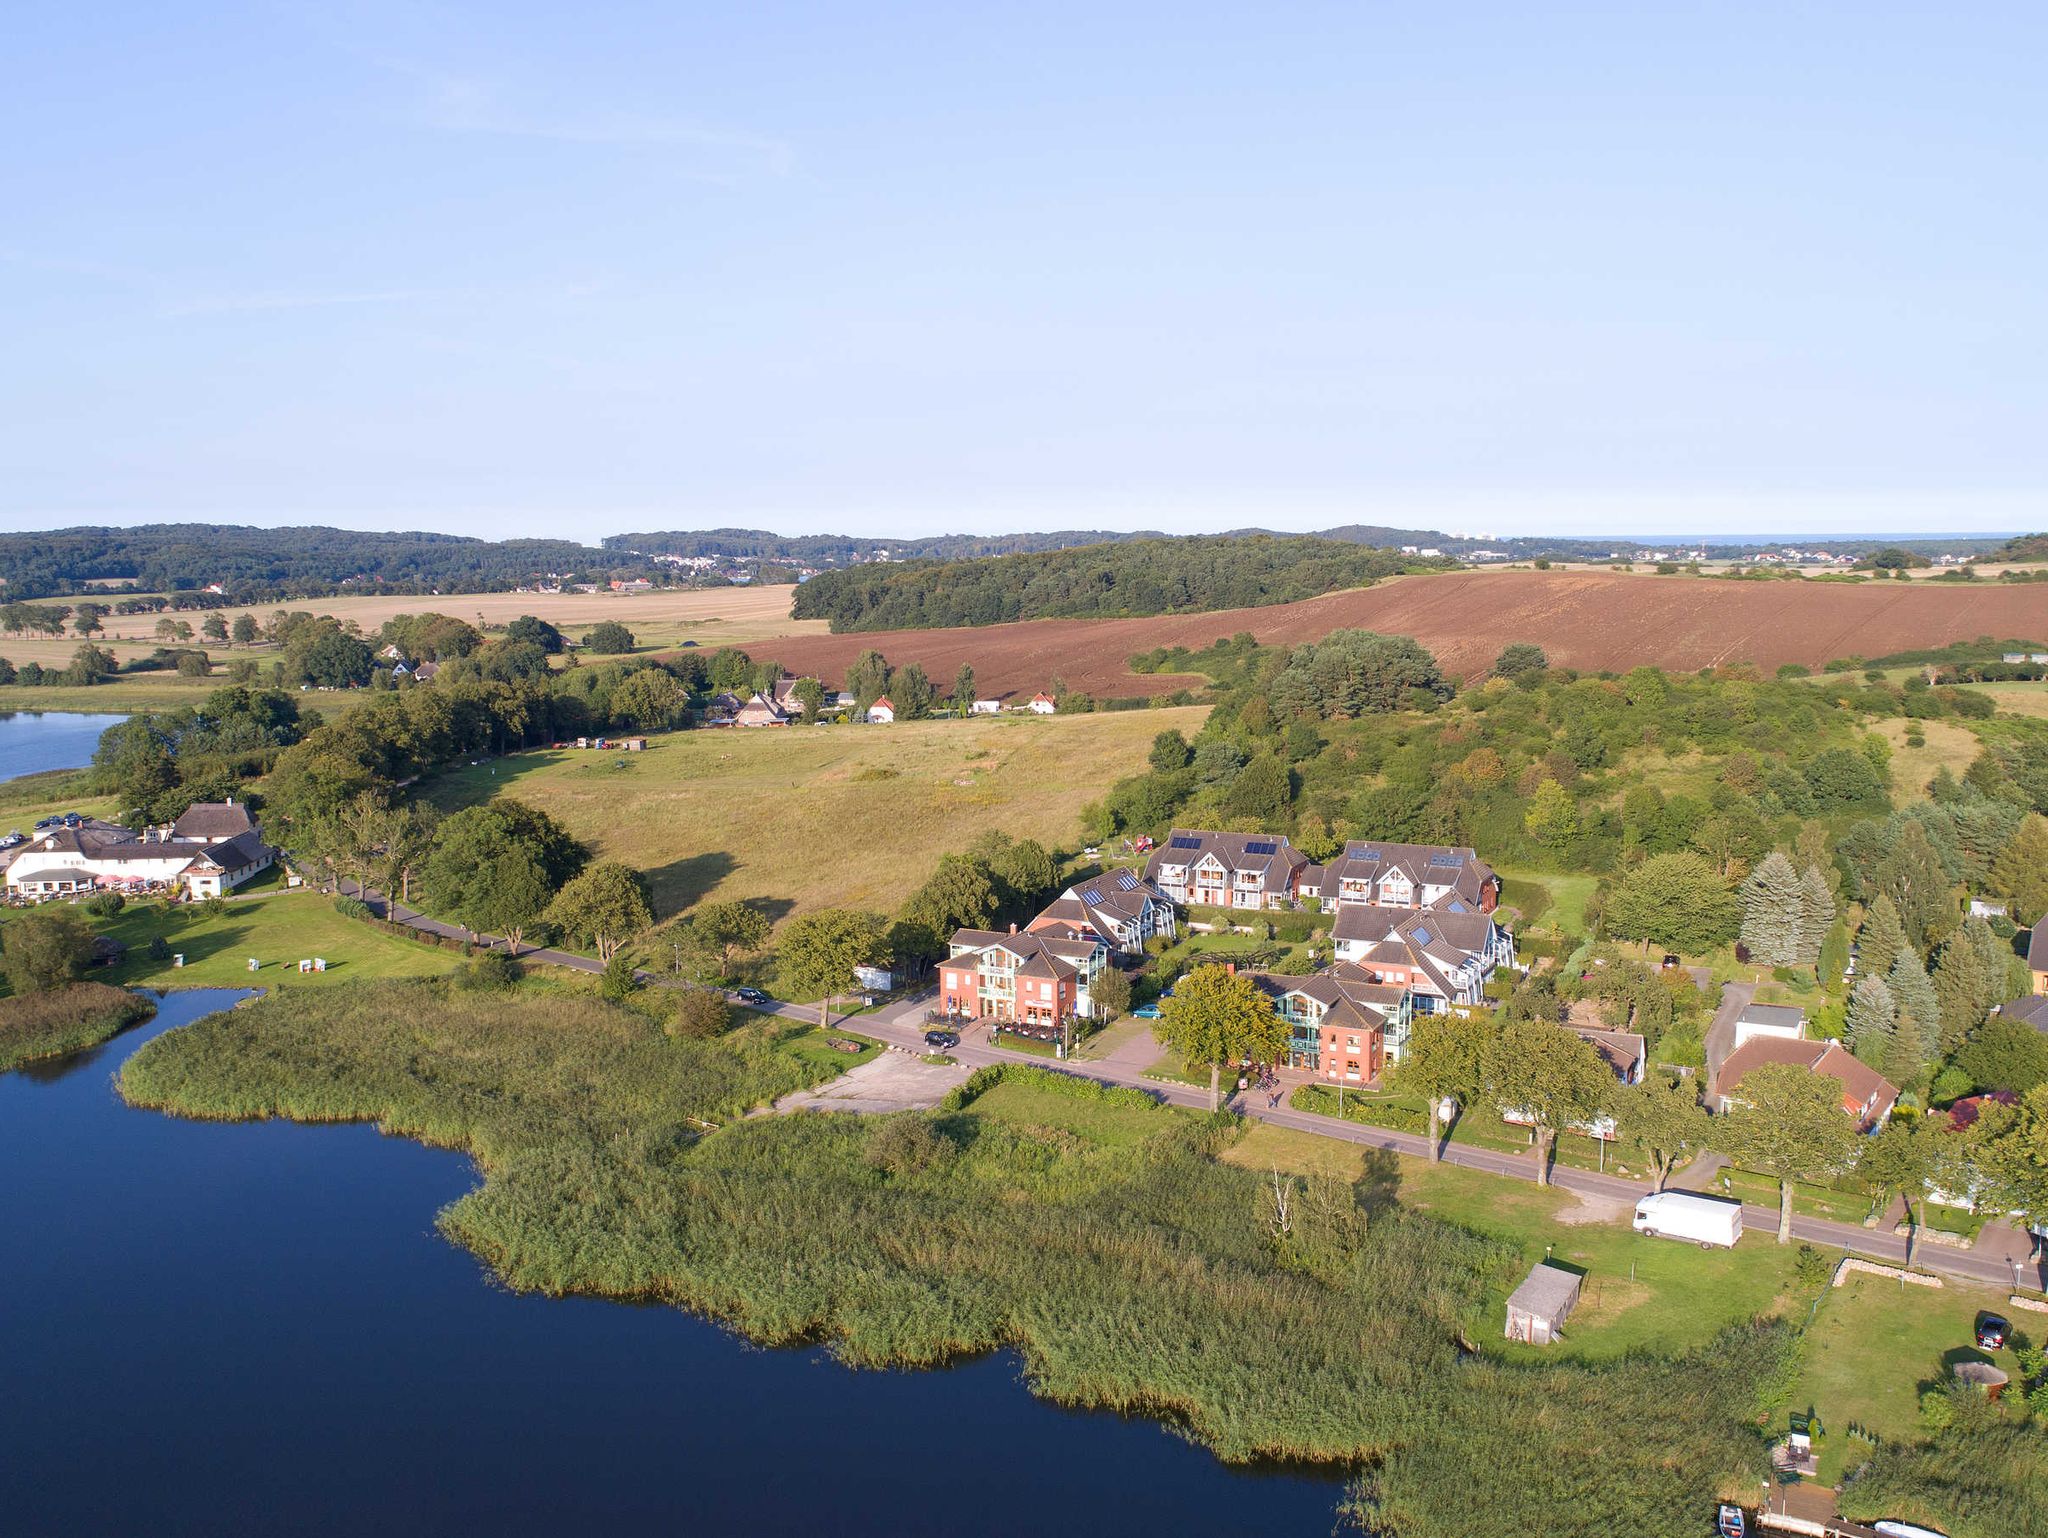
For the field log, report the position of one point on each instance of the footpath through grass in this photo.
(1087, 1227)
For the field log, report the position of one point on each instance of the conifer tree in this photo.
(1881, 938)
(1816, 913)
(1872, 1016)
(2020, 873)
(1969, 977)
(1911, 875)
(1771, 912)
(1919, 1023)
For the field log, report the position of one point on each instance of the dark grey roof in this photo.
(213, 819)
(2031, 1010)
(1774, 1014)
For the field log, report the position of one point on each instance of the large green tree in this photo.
(1872, 1018)
(1918, 1028)
(1675, 900)
(1897, 1161)
(1788, 1123)
(1217, 1017)
(1969, 978)
(604, 906)
(1663, 1116)
(1550, 1077)
(1881, 938)
(1445, 1060)
(819, 951)
(1913, 877)
(723, 929)
(2020, 872)
(44, 949)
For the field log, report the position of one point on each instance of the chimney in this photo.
(1013, 926)
(1230, 968)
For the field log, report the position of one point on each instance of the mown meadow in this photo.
(1092, 1230)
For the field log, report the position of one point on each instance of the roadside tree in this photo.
(819, 952)
(723, 929)
(1445, 1059)
(605, 906)
(1111, 994)
(1550, 1077)
(1789, 1126)
(1663, 1114)
(1217, 1017)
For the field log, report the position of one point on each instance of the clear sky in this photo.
(929, 267)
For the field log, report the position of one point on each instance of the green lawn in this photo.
(1558, 902)
(1640, 1294)
(812, 1047)
(277, 929)
(1026, 1105)
(1875, 1345)
(1810, 1200)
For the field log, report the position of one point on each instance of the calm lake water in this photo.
(217, 1328)
(32, 741)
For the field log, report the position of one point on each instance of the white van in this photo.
(1704, 1220)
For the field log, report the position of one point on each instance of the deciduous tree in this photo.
(1550, 1077)
(1446, 1058)
(819, 951)
(45, 948)
(1788, 1124)
(1664, 1115)
(1217, 1017)
(605, 906)
(1676, 900)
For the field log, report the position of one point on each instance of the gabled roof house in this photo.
(1118, 907)
(1409, 876)
(1029, 979)
(1227, 870)
(1448, 956)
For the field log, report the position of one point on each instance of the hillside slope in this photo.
(1587, 620)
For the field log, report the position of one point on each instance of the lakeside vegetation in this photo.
(54, 1021)
(1031, 1211)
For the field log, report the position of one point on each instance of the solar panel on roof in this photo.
(1182, 841)
(1261, 846)
(1422, 937)
(1093, 896)
(1126, 882)
(1447, 861)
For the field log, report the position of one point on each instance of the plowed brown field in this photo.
(1593, 621)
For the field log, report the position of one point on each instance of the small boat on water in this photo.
(1731, 1521)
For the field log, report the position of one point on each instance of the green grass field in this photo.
(277, 928)
(813, 817)
(1552, 902)
(1639, 1293)
(1875, 1345)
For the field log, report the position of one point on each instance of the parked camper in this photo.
(1703, 1220)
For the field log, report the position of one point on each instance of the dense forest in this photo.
(846, 549)
(253, 565)
(1154, 576)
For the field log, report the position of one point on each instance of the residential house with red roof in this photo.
(1119, 907)
(1227, 870)
(1035, 980)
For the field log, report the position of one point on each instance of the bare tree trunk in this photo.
(1436, 1130)
(824, 1012)
(1544, 1140)
(1912, 1232)
(1784, 1212)
(1215, 1076)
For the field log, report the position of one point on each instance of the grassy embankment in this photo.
(64, 1020)
(1089, 1229)
(813, 817)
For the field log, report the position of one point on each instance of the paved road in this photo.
(903, 1026)
(1720, 1037)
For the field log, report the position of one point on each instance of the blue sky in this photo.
(922, 268)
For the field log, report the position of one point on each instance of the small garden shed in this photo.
(1537, 1309)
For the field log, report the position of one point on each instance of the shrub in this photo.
(104, 905)
(700, 1014)
(351, 907)
(618, 981)
(491, 972)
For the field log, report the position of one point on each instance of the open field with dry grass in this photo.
(708, 616)
(1948, 746)
(1583, 619)
(813, 817)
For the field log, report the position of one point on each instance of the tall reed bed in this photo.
(1143, 1275)
(65, 1019)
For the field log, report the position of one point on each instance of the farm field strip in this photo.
(1593, 621)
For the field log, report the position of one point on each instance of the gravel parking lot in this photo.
(895, 1081)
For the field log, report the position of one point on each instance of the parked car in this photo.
(941, 1040)
(750, 995)
(1992, 1329)
(1145, 1012)
(1090, 852)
